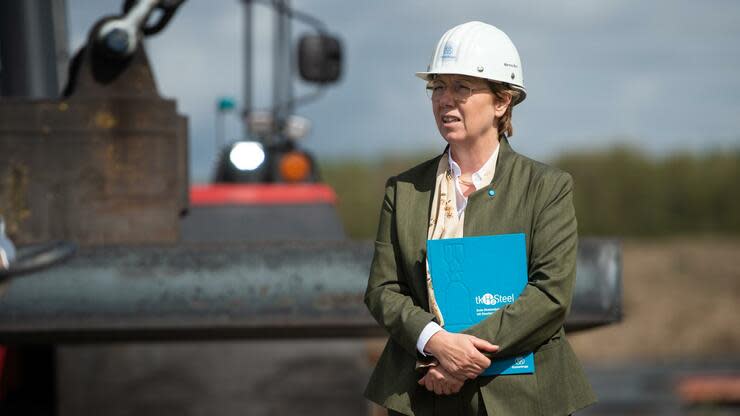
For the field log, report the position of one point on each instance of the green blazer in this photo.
(531, 198)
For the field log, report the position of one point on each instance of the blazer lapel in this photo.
(413, 211)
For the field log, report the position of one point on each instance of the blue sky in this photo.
(663, 76)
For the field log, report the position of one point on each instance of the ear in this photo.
(501, 103)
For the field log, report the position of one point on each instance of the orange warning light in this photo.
(295, 167)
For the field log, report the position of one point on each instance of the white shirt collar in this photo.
(479, 177)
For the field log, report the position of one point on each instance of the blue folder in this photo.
(473, 277)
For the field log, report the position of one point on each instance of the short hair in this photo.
(500, 90)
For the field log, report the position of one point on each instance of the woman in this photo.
(478, 186)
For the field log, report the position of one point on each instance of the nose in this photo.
(447, 97)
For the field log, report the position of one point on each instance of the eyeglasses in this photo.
(460, 91)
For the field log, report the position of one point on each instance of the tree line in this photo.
(619, 192)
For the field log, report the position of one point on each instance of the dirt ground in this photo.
(681, 302)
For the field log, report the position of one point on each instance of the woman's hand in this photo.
(460, 355)
(438, 380)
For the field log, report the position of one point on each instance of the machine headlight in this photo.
(247, 155)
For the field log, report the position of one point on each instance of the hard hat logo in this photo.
(478, 50)
(449, 52)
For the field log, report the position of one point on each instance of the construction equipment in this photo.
(254, 266)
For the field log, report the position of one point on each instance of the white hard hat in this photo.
(478, 50)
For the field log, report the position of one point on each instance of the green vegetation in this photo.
(622, 192)
(618, 192)
(360, 186)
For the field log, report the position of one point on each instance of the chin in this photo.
(453, 137)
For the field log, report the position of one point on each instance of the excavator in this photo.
(124, 289)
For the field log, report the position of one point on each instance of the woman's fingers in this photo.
(461, 354)
(457, 354)
(454, 386)
(483, 345)
(449, 376)
(429, 384)
(476, 363)
(440, 382)
(436, 382)
(482, 361)
(426, 382)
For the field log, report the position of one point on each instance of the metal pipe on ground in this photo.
(232, 291)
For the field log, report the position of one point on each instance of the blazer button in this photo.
(491, 192)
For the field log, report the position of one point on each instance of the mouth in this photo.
(450, 119)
